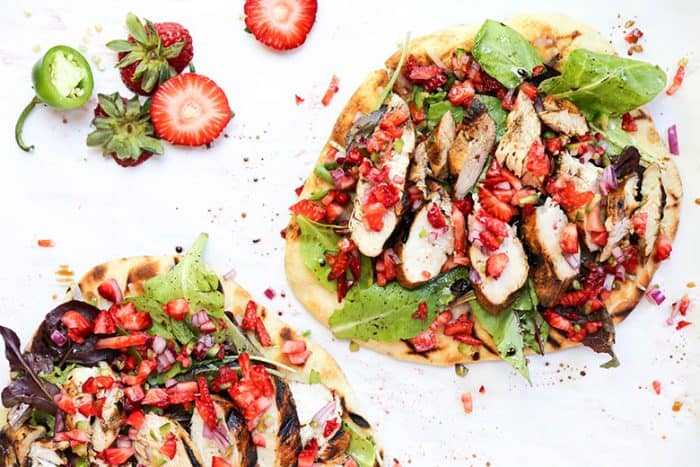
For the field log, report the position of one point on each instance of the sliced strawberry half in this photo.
(280, 24)
(496, 264)
(496, 207)
(190, 109)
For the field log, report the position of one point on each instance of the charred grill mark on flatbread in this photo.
(286, 334)
(554, 339)
(412, 350)
(476, 356)
(624, 311)
(358, 420)
(98, 273)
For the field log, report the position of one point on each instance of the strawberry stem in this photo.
(20, 123)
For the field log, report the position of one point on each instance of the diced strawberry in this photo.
(681, 324)
(374, 216)
(431, 76)
(110, 290)
(575, 298)
(496, 264)
(157, 397)
(467, 404)
(219, 462)
(97, 383)
(460, 231)
(656, 385)
(330, 427)
(78, 326)
(127, 317)
(385, 193)
(417, 115)
(389, 266)
(169, 447)
(633, 36)
(553, 145)
(495, 207)
(117, 456)
(524, 197)
(136, 419)
(461, 325)
(435, 217)
(594, 223)
(393, 119)
(599, 238)
(424, 341)
(465, 205)
(296, 352)
(677, 78)
(529, 89)
(299, 100)
(189, 109)
(104, 324)
(331, 91)
(134, 393)
(461, 93)
(182, 393)
(122, 342)
(639, 222)
(308, 454)
(631, 259)
(90, 409)
(569, 239)
(64, 402)
(489, 240)
(563, 191)
(177, 309)
(557, 321)
(77, 436)
(422, 312)
(280, 24)
(628, 123)
(309, 209)
(495, 226)
(663, 248)
(537, 162)
(224, 379)
(205, 405)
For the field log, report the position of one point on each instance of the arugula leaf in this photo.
(505, 330)
(504, 53)
(602, 341)
(163, 325)
(602, 84)
(361, 449)
(316, 240)
(384, 313)
(618, 139)
(438, 109)
(496, 111)
(532, 324)
(58, 376)
(189, 279)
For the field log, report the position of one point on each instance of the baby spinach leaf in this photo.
(602, 84)
(496, 111)
(504, 53)
(505, 330)
(384, 313)
(316, 240)
(189, 279)
(532, 324)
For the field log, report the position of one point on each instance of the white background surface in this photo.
(96, 211)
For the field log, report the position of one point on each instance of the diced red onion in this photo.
(474, 276)
(416, 205)
(165, 360)
(398, 179)
(322, 415)
(539, 107)
(220, 434)
(675, 310)
(200, 318)
(433, 56)
(170, 383)
(474, 69)
(159, 344)
(393, 256)
(609, 281)
(502, 186)
(621, 273)
(58, 338)
(608, 180)
(655, 295)
(509, 98)
(123, 442)
(573, 261)
(133, 432)
(673, 140)
(231, 275)
(433, 236)
(337, 175)
(269, 293)
(618, 254)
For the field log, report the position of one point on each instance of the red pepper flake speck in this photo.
(298, 100)
(269, 293)
(299, 189)
(467, 402)
(677, 406)
(682, 323)
(633, 36)
(330, 92)
(45, 243)
(656, 386)
(482, 389)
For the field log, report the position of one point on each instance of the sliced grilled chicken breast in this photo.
(312, 400)
(564, 117)
(420, 170)
(585, 178)
(233, 442)
(441, 142)
(470, 151)
(149, 440)
(281, 435)
(427, 248)
(620, 205)
(495, 294)
(523, 127)
(47, 453)
(652, 205)
(16, 444)
(370, 242)
(552, 274)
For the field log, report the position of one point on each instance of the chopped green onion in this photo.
(322, 172)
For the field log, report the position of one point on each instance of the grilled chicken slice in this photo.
(563, 117)
(469, 152)
(420, 169)
(370, 242)
(314, 400)
(522, 129)
(441, 142)
(16, 444)
(149, 440)
(282, 438)
(48, 453)
(495, 294)
(652, 205)
(585, 178)
(103, 430)
(233, 442)
(552, 274)
(427, 248)
(620, 205)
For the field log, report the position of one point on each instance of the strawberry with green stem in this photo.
(153, 53)
(123, 130)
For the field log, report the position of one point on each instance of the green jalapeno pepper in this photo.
(62, 79)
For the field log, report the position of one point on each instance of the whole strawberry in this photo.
(153, 53)
(123, 130)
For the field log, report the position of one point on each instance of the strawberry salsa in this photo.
(168, 378)
(535, 188)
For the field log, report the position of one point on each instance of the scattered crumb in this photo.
(697, 201)
(27, 13)
(98, 28)
(690, 285)
(82, 47)
(36, 48)
(96, 59)
(256, 240)
(629, 24)
(244, 215)
(677, 406)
